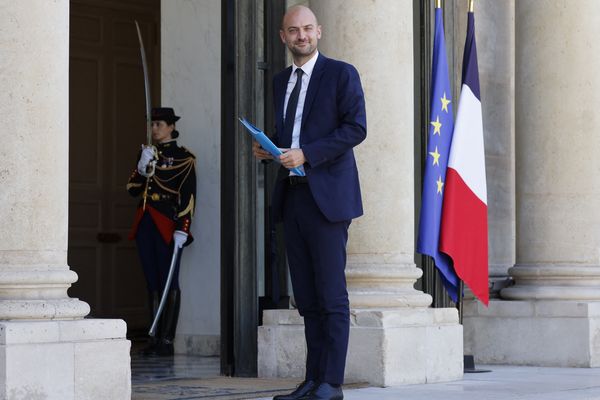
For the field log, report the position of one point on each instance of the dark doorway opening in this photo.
(107, 126)
(253, 268)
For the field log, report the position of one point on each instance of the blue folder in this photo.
(266, 143)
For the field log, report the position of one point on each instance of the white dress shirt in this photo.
(307, 70)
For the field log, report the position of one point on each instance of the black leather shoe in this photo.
(300, 393)
(325, 392)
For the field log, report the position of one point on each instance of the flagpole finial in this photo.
(471, 5)
(438, 3)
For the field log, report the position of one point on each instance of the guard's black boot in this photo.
(153, 302)
(169, 323)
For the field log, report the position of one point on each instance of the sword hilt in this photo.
(150, 170)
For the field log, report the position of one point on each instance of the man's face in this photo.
(300, 32)
(161, 131)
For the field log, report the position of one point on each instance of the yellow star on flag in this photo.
(436, 156)
(437, 125)
(445, 102)
(440, 184)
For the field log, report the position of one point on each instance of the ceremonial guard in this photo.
(165, 178)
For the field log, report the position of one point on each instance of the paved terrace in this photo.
(190, 378)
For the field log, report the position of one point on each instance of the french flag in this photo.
(464, 232)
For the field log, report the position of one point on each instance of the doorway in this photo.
(107, 126)
(253, 267)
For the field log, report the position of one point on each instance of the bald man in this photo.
(320, 117)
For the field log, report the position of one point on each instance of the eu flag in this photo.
(439, 139)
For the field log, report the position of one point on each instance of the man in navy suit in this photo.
(320, 117)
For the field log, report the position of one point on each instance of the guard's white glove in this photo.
(179, 237)
(145, 158)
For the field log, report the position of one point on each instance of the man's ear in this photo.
(318, 31)
(282, 36)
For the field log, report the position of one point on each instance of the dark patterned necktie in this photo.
(290, 111)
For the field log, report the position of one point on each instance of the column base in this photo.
(499, 279)
(55, 309)
(541, 333)
(65, 360)
(387, 347)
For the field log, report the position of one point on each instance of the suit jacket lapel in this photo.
(280, 88)
(313, 86)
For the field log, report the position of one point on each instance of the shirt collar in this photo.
(308, 66)
(166, 144)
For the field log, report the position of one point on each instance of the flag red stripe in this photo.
(464, 234)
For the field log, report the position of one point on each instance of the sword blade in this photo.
(163, 299)
(146, 86)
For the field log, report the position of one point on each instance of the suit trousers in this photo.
(316, 251)
(155, 255)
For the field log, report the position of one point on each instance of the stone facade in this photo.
(538, 65)
(550, 316)
(538, 86)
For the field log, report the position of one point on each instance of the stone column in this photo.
(558, 188)
(393, 333)
(381, 271)
(557, 271)
(46, 348)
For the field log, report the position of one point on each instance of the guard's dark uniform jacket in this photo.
(170, 194)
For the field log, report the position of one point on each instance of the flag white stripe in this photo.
(467, 155)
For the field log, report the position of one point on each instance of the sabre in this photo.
(146, 86)
(163, 299)
(151, 166)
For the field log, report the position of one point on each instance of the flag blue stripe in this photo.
(470, 74)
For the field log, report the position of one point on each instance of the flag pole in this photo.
(471, 2)
(459, 306)
(438, 3)
(468, 359)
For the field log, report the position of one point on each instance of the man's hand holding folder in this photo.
(264, 149)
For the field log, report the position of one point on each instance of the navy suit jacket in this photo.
(333, 122)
